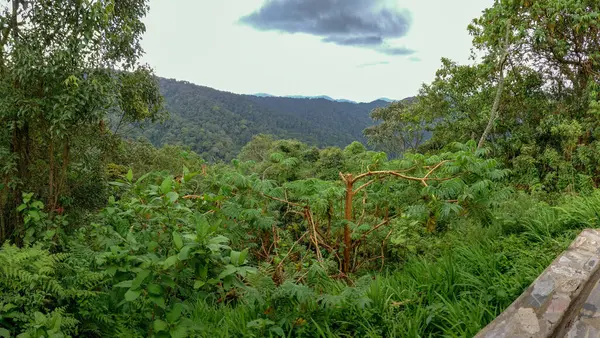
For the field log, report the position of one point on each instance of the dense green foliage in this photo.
(58, 80)
(546, 126)
(494, 171)
(217, 124)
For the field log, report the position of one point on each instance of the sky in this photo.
(359, 50)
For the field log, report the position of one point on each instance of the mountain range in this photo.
(217, 124)
(329, 98)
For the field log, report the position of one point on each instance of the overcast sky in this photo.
(353, 49)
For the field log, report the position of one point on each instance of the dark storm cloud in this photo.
(361, 23)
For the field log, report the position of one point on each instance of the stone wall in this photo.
(555, 302)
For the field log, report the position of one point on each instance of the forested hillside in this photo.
(105, 236)
(216, 124)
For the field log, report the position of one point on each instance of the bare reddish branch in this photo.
(364, 186)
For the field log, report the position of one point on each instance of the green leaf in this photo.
(142, 178)
(169, 262)
(154, 289)
(165, 186)
(168, 281)
(177, 240)
(201, 223)
(175, 313)
(132, 295)
(277, 330)
(4, 333)
(37, 205)
(229, 270)
(158, 300)
(137, 282)
(172, 196)
(188, 177)
(185, 253)
(179, 331)
(198, 284)
(237, 258)
(129, 176)
(160, 325)
(39, 317)
(152, 245)
(124, 284)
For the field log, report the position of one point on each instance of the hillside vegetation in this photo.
(216, 124)
(110, 237)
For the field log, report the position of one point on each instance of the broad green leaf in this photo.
(198, 284)
(172, 196)
(160, 325)
(139, 180)
(170, 262)
(154, 289)
(203, 271)
(152, 245)
(277, 330)
(158, 300)
(4, 333)
(132, 295)
(179, 331)
(139, 279)
(39, 317)
(124, 284)
(175, 313)
(201, 223)
(229, 270)
(185, 253)
(168, 281)
(129, 176)
(237, 258)
(166, 185)
(188, 177)
(37, 205)
(177, 240)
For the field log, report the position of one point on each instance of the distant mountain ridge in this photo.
(217, 124)
(325, 97)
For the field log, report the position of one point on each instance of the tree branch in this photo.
(283, 201)
(370, 231)
(364, 186)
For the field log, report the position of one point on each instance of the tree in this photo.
(63, 65)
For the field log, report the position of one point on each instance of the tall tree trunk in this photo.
(499, 90)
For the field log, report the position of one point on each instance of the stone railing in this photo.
(564, 301)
